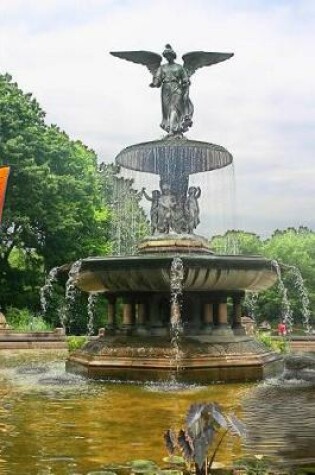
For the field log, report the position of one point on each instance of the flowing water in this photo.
(70, 294)
(250, 303)
(304, 297)
(287, 315)
(47, 290)
(55, 423)
(92, 300)
(176, 280)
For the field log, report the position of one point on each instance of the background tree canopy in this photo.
(295, 248)
(54, 211)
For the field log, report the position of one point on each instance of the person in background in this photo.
(282, 329)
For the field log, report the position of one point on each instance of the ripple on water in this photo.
(35, 378)
(280, 418)
(170, 386)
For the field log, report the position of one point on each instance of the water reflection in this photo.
(72, 426)
(281, 421)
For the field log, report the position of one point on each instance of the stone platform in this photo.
(200, 359)
(50, 340)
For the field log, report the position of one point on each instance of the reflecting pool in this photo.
(55, 423)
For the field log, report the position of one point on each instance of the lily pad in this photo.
(174, 460)
(139, 471)
(171, 472)
(143, 466)
(217, 465)
(102, 472)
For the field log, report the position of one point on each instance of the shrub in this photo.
(278, 345)
(25, 321)
(76, 342)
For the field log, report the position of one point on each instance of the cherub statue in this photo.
(192, 208)
(154, 212)
(174, 80)
(167, 205)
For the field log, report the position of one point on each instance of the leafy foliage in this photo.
(76, 342)
(293, 249)
(25, 321)
(54, 212)
(278, 345)
(256, 465)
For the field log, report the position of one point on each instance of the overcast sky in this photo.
(260, 104)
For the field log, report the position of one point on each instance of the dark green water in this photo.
(53, 423)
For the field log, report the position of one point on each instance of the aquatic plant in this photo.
(257, 465)
(199, 442)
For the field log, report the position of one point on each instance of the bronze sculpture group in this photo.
(174, 211)
(167, 215)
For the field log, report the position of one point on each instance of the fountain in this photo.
(175, 293)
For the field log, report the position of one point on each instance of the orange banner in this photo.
(4, 174)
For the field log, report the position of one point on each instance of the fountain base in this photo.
(200, 359)
(170, 243)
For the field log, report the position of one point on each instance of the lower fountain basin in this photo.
(151, 273)
(199, 359)
(212, 346)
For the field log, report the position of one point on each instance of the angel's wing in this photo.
(198, 59)
(151, 60)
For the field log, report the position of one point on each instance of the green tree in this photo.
(237, 242)
(294, 250)
(54, 212)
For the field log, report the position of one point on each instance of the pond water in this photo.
(54, 423)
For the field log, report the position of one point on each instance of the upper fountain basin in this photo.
(174, 155)
(151, 273)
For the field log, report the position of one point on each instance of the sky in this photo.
(260, 104)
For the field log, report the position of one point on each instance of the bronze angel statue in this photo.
(174, 80)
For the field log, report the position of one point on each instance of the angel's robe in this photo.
(177, 108)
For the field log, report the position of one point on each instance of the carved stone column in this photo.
(156, 325)
(142, 319)
(128, 317)
(237, 314)
(111, 314)
(207, 318)
(195, 321)
(222, 314)
(222, 328)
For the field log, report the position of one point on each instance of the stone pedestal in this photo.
(237, 327)
(142, 320)
(111, 315)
